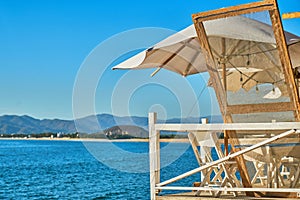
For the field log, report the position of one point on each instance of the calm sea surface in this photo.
(66, 170)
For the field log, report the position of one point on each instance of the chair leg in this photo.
(227, 180)
(218, 176)
(280, 177)
(259, 167)
(205, 180)
(233, 176)
(296, 179)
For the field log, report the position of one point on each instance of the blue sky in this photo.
(44, 43)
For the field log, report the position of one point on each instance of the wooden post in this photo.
(224, 77)
(285, 58)
(291, 15)
(266, 5)
(154, 155)
(221, 96)
(223, 64)
(216, 81)
(269, 167)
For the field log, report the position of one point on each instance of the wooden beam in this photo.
(260, 108)
(223, 64)
(267, 5)
(291, 15)
(234, 10)
(268, 193)
(251, 141)
(271, 191)
(285, 59)
(224, 78)
(221, 96)
(213, 72)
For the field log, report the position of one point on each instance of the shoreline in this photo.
(175, 140)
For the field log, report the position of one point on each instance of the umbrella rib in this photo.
(293, 43)
(173, 55)
(215, 52)
(239, 53)
(198, 98)
(253, 53)
(217, 56)
(230, 54)
(249, 78)
(239, 70)
(234, 48)
(270, 57)
(197, 48)
(272, 77)
(188, 68)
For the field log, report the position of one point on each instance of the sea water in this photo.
(32, 169)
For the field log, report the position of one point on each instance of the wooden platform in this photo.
(191, 195)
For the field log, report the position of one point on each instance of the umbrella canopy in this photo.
(255, 50)
(246, 78)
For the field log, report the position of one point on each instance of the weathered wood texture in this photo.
(285, 58)
(227, 111)
(291, 15)
(221, 96)
(260, 108)
(207, 195)
(234, 10)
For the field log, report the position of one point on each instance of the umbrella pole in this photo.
(226, 142)
(223, 64)
(224, 76)
(225, 88)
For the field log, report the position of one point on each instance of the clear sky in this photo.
(43, 43)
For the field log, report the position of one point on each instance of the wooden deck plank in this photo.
(206, 195)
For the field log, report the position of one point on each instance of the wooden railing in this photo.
(154, 152)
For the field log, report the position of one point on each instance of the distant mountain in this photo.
(92, 124)
(126, 131)
(25, 124)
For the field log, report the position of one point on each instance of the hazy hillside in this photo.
(26, 124)
(91, 125)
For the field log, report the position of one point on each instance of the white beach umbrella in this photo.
(246, 47)
(249, 44)
(247, 77)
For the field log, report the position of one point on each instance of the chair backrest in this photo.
(215, 138)
(206, 141)
(287, 147)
